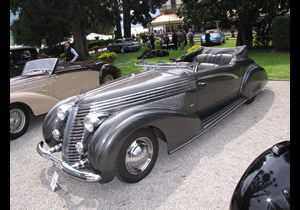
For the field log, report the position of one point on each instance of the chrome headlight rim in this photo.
(93, 120)
(63, 111)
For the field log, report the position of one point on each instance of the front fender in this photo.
(38, 103)
(178, 126)
(254, 80)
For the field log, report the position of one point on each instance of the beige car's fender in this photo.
(38, 103)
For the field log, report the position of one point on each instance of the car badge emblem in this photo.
(80, 94)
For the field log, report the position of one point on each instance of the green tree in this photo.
(246, 13)
(141, 13)
(56, 20)
(38, 20)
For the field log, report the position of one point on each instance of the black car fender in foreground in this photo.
(266, 182)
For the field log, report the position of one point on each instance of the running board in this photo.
(214, 119)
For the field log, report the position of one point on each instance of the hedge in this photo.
(281, 32)
(100, 42)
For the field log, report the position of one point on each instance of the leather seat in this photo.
(220, 59)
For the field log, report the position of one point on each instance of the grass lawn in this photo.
(277, 65)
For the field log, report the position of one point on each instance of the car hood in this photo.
(138, 88)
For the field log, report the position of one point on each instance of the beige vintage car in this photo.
(44, 82)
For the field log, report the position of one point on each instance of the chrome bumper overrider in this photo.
(64, 167)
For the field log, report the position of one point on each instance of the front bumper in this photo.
(64, 167)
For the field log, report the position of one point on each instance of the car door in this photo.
(116, 46)
(69, 81)
(216, 88)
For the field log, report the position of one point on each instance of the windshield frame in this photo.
(39, 66)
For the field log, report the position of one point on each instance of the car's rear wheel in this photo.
(108, 77)
(122, 50)
(108, 50)
(19, 121)
(137, 156)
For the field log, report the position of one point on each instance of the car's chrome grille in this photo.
(70, 154)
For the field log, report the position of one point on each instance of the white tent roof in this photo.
(166, 19)
(92, 36)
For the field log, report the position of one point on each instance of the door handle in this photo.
(202, 84)
(55, 76)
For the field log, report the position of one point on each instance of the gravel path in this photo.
(201, 175)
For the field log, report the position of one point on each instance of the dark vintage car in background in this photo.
(124, 45)
(19, 55)
(113, 130)
(44, 82)
(266, 182)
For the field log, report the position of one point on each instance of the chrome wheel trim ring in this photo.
(108, 78)
(17, 120)
(139, 155)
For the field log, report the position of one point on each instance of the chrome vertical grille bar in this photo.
(76, 132)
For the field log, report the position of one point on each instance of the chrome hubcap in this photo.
(108, 78)
(139, 155)
(17, 120)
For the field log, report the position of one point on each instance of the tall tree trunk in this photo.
(244, 36)
(118, 19)
(126, 19)
(80, 43)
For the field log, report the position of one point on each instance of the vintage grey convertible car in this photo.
(113, 130)
(44, 82)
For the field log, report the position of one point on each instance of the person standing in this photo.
(207, 39)
(70, 53)
(174, 40)
(190, 35)
(167, 40)
(180, 39)
(232, 31)
(138, 38)
(151, 38)
(145, 38)
(184, 37)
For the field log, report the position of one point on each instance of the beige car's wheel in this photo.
(19, 121)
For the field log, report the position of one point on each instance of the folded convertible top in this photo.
(239, 53)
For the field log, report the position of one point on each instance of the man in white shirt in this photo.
(70, 53)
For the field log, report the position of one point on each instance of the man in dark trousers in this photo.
(70, 54)
(174, 40)
(232, 31)
(207, 39)
(151, 38)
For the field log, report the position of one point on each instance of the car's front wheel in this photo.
(137, 156)
(108, 50)
(19, 121)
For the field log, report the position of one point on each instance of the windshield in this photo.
(39, 66)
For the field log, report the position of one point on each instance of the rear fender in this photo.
(177, 126)
(254, 80)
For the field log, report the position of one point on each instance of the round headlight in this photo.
(92, 121)
(63, 111)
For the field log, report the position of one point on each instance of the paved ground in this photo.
(202, 175)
